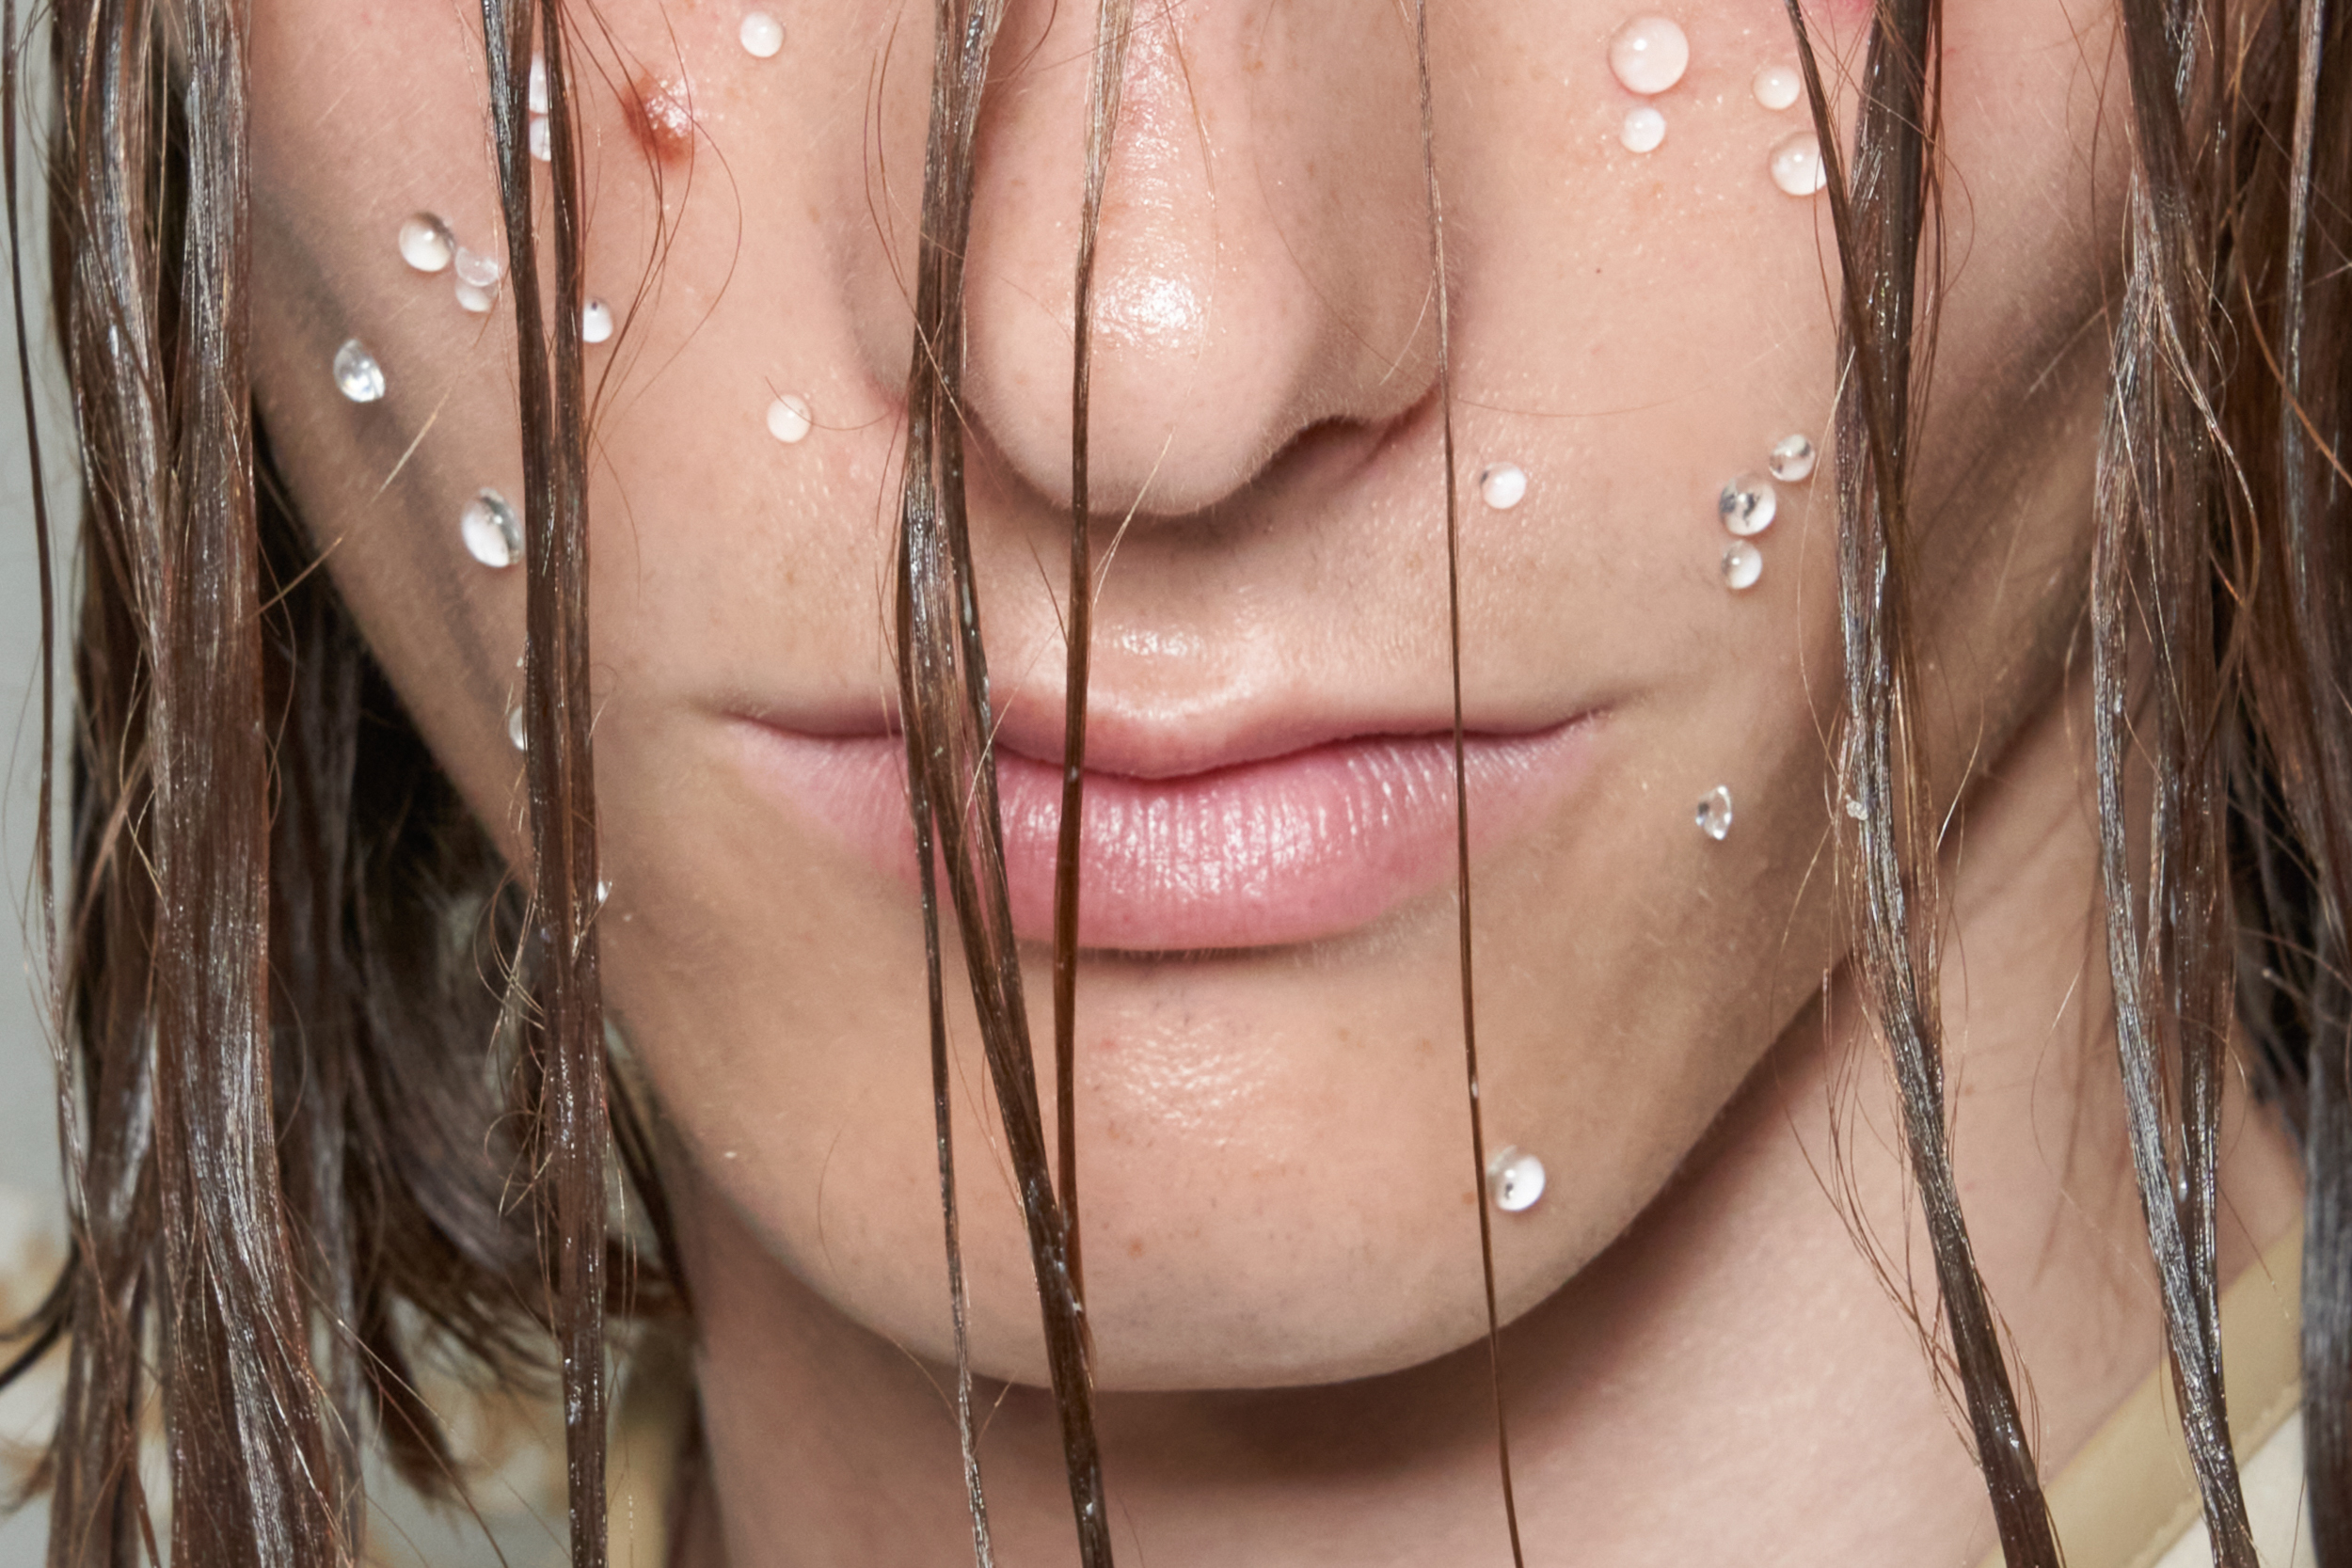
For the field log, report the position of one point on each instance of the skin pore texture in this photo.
(1279, 1210)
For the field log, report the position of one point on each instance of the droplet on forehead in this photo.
(1742, 564)
(1515, 1179)
(426, 243)
(538, 83)
(1748, 504)
(1644, 129)
(788, 419)
(515, 730)
(491, 534)
(1503, 486)
(595, 322)
(1715, 813)
(1796, 164)
(1776, 86)
(1649, 54)
(542, 139)
(479, 268)
(761, 35)
(478, 301)
(1792, 459)
(357, 377)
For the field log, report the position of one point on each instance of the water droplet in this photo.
(1856, 810)
(357, 373)
(480, 270)
(761, 35)
(542, 139)
(476, 300)
(1515, 1179)
(425, 242)
(1792, 459)
(1797, 166)
(491, 534)
(787, 419)
(1742, 564)
(1715, 813)
(1777, 87)
(1748, 504)
(1649, 55)
(538, 83)
(515, 730)
(595, 322)
(604, 891)
(1643, 130)
(1503, 486)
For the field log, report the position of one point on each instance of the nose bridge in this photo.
(1235, 303)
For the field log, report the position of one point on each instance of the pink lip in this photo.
(1291, 848)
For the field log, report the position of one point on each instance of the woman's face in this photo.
(1278, 1181)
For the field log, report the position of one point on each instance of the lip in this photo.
(1242, 843)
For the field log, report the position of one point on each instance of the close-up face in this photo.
(1272, 1129)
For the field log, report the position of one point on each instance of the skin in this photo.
(1281, 1240)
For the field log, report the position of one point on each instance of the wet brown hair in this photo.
(294, 1112)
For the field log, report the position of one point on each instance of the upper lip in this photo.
(1147, 742)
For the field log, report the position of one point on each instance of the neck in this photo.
(1744, 1366)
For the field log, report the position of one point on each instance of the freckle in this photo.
(1135, 1248)
(1469, 1199)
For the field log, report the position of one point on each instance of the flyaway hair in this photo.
(315, 1039)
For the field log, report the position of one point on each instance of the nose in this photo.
(1261, 265)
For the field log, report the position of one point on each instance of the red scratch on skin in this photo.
(661, 114)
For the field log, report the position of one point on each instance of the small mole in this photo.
(1135, 1248)
(661, 114)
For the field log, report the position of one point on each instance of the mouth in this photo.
(1185, 847)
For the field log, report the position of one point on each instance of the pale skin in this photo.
(1275, 1144)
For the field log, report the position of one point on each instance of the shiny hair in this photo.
(294, 1112)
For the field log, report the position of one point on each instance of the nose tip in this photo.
(1236, 300)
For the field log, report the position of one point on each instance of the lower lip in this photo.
(1293, 848)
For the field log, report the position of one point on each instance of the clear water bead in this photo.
(542, 139)
(492, 536)
(1648, 54)
(476, 300)
(1715, 813)
(1792, 459)
(425, 242)
(761, 35)
(1643, 130)
(1748, 504)
(479, 268)
(538, 83)
(1776, 86)
(1796, 165)
(516, 730)
(1742, 564)
(595, 322)
(357, 377)
(1515, 1179)
(787, 419)
(1503, 486)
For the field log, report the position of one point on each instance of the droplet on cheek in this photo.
(1644, 129)
(661, 114)
(1648, 54)
(1777, 87)
(1797, 167)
